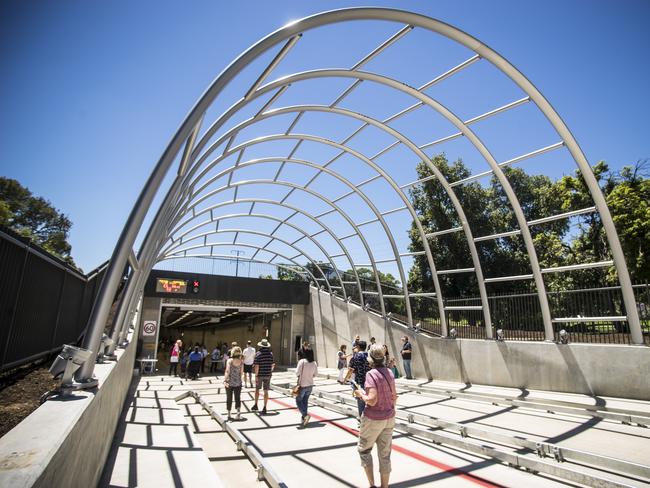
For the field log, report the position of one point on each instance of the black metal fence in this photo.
(44, 302)
(519, 317)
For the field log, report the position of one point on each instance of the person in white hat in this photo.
(263, 367)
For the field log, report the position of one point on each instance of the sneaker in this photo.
(263, 412)
(305, 420)
(238, 415)
(254, 408)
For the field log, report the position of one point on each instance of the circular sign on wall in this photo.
(149, 327)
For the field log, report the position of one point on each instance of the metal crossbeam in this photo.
(443, 232)
(455, 271)
(573, 267)
(509, 278)
(464, 307)
(272, 65)
(611, 318)
(565, 215)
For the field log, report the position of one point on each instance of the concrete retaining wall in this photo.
(66, 442)
(593, 369)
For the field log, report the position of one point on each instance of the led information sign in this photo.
(166, 285)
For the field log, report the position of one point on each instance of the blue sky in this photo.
(91, 92)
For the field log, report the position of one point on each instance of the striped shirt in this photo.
(264, 360)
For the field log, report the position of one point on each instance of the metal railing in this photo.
(593, 315)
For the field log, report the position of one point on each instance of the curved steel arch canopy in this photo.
(186, 219)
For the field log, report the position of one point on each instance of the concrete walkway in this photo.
(167, 443)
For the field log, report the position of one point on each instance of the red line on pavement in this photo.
(407, 452)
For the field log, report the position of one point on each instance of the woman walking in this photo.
(342, 363)
(305, 371)
(232, 380)
(174, 357)
(378, 419)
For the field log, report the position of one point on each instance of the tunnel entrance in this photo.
(215, 310)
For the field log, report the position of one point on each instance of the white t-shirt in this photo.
(249, 355)
(306, 372)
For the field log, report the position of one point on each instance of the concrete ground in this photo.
(162, 442)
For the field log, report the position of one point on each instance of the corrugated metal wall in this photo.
(44, 303)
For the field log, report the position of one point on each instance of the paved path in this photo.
(167, 443)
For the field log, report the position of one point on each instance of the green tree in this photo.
(629, 202)
(35, 218)
(287, 275)
(389, 286)
(578, 240)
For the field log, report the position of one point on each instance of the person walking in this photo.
(378, 419)
(214, 359)
(174, 357)
(300, 353)
(232, 380)
(185, 357)
(263, 366)
(358, 367)
(305, 371)
(249, 358)
(406, 351)
(342, 363)
(195, 363)
(204, 354)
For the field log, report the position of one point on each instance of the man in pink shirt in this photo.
(378, 419)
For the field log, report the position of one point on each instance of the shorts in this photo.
(263, 382)
(248, 368)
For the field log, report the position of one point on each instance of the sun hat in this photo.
(264, 343)
(376, 354)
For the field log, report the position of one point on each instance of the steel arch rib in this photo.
(284, 205)
(331, 204)
(271, 236)
(253, 232)
(246, 259)
(337, 176)
(448, 115)
(226, 256)
(127, 238)
(344, 180)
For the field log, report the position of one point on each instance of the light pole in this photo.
(238, 253)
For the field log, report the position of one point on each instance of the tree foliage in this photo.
(558, 243)
(35, 218)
